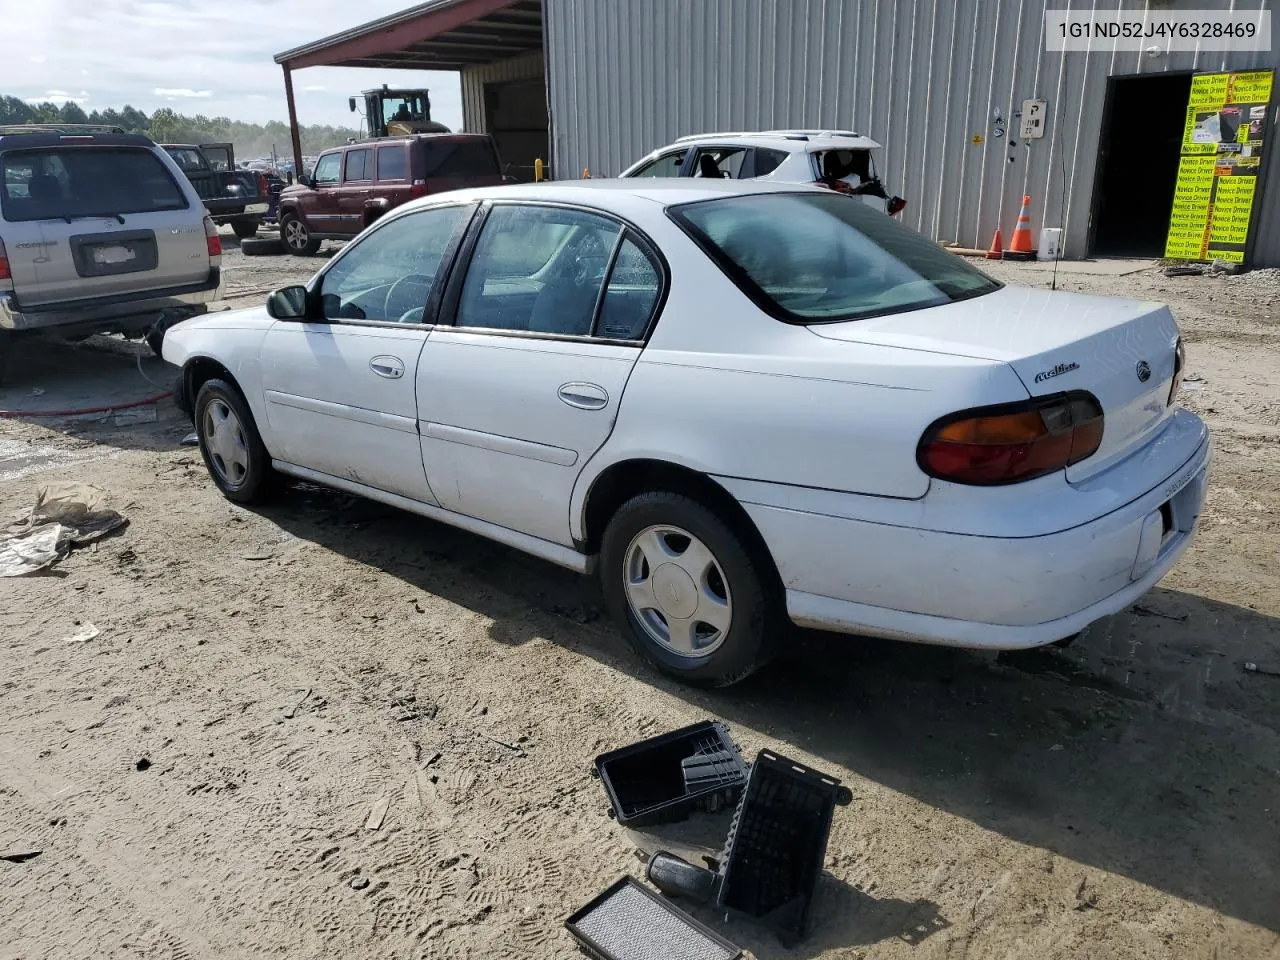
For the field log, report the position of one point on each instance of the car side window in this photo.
(768, 161)
(387, 275)
(327, 168)
(537, 269)
(359, 165)
(635, 282)
(393, 163)
(667, 165)
(722, 163)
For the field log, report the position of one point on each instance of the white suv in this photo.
(99, 233)
(838, 159)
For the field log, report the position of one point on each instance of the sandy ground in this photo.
(329, 729)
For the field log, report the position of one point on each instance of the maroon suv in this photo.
(353, 185)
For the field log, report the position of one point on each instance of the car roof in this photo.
(605, 194)
(792, 141)
(49, 138)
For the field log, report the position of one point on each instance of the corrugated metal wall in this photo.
(474, 78)
(923, 77)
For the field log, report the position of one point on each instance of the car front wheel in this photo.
(297, 237)
(685, 587)
(230, 444)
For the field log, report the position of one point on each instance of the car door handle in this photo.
(584, 396)
(390, 367)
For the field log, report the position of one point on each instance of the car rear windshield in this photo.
(460, 158)
(66, 182)
(818, 257)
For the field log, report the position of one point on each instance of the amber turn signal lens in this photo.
(1012, 443)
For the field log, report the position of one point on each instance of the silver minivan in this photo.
(99, 233)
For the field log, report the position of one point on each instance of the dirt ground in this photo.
(328, 729)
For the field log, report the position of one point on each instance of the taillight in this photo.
(264, 188)
(5, 273)
(1179, 364)
(896, 205)
(212, 238)
(418, 189)
(1012, 442)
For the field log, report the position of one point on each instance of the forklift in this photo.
(396, 113)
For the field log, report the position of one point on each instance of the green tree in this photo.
(71, 113)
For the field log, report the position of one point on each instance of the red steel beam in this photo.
(390, 39)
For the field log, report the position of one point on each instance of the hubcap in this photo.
(677, 591)
(224, 440)
(295, 233)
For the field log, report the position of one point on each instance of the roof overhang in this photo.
(438, 35)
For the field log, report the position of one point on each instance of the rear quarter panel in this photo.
(724, 389)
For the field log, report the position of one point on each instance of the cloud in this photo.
(314, 88)
(258, 96)
(185, 92)
(36, 59)
(59, 96)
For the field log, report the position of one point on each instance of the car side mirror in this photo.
(288, 303)
(306, 181)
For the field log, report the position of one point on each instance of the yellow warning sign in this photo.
(1222, 145)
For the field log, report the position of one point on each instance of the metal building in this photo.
(939, 83)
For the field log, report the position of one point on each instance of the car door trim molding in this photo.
(499, 444)
(343, 411)
(555, 553)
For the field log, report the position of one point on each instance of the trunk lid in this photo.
(1121, 351)
(98, 221)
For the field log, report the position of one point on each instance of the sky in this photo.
(212, 57)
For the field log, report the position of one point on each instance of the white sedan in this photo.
(742, 402)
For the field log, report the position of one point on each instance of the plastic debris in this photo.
(84, 634)
(65, 515)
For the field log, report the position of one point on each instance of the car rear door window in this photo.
(327, 168)
(635, 283)
(824, 257)
(388, 274)
(359, 165)
(537, 269)
(719, 162)
(393, 163)
(86, 182)
(460, 158)
(667, 165)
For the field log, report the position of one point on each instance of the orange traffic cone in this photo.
(1020, 246)
(586, 173)
(997, 247)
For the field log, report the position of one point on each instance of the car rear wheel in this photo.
(297, 237)
(685, 587)
(245, 228)
(230, 444)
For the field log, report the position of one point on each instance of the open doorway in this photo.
(516, 112)
(1138, 164)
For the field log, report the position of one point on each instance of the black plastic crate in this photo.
(778, 841)
(664, 778)
(629, 922)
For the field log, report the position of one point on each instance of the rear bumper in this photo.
(905, 583)
(117, 312)
(225, 214)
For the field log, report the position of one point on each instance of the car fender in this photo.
(233, 339)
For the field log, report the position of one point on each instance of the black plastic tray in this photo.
(778, 841)
(629, 922)
(664, 778)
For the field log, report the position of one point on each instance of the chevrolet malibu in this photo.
(742, 403)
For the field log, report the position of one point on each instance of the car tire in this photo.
(262, 246)
(706, 569)
(297, 236)
(245, 228)
(231, 446)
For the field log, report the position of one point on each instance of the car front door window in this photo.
(387, 276)
(667, 165)
(537, 269)
(327, 168)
